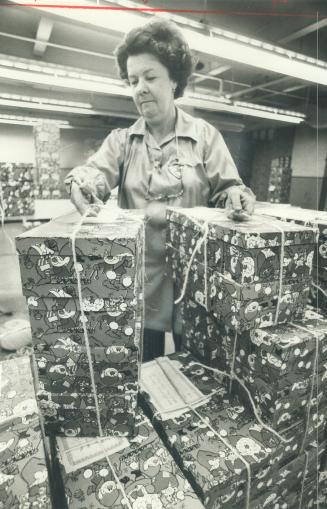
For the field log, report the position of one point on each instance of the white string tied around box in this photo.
(219, 436)
(204, 227)
(76, 229)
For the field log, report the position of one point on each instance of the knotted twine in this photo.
(204, 227)
(75, 231)
(232, 375)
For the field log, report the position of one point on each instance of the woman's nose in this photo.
(141, 87)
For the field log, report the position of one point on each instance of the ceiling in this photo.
(55, 67)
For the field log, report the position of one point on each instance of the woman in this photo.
(166, 158)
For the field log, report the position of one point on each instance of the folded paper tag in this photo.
(171, 392)
(77, 453)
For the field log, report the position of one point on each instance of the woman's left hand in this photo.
(240, 198)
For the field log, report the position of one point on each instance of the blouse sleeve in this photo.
(219, 165)
(103, 168)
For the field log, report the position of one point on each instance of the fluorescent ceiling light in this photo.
(63, 82)
(46, 107)
(46, 100)
(253, 110)
(206, 102)
(24, 120)
(221, 43)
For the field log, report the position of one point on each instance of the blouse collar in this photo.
(185, 126)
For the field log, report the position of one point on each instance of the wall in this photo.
(16, 144)
(309, 167)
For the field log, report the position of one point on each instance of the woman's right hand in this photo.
(86, 188)
(83, 201)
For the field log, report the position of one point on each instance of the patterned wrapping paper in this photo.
(297, 215)
(216, 473)
(241, 284)
(110, 263)
(18, 199)
(23, 471)
(121, 234)
(16, 172)
(144, 467)
(119, 325)
(248, 252)
(47, 151)
(207, 338)
(277, 367)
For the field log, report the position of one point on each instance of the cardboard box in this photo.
(110, 262)
(18, 198)
(145, 469)
(236, 272)
(23, 471)
(16, 172)
(214, 463)
(308, 217)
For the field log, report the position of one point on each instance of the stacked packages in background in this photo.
(50, 184)
(222, 449)
(17, 189)
(110, 265)
(318, 219)
(147, 474)
(23, 470)
(279, 186)
(236, 271)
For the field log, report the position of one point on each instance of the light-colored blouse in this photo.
(191, 167)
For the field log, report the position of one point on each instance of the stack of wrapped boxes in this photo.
(308, 217)
(229, 458)
(47, 155)
(235, 300)
(23, 470)
(17, 189)
(279, 186)
(117, 473)
(83, 380)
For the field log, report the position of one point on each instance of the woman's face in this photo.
(151, 87)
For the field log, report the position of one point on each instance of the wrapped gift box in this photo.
(207, 338)
(108, 322)
(143, 466)
(277, 366)
(110, 264)
(236, 272)
(16, 172)
(214, 463)
(18, 198)
(47, 154)
(23, 471)
(308, 217)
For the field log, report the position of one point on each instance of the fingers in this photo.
(248, 203)
(248, 200)
(234, 199)
(241, 199)
(78, 198)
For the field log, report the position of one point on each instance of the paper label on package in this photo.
(77, 453)
(171, 392)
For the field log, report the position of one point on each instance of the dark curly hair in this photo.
(162, 39)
